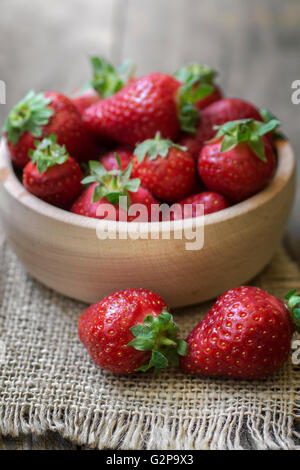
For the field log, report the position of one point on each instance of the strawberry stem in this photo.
(153, 148)
(111, 184)
(30, 115)
(159, 335)
(107, 79)
(48, 153)
(197, 82)
(248, 131)
(201, 72)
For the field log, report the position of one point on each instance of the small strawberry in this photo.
(107, 188)
(165, 168)
(202, 76)
(109, 160)
(246, 334)
(106, 81)
(131, 331)
(239, 161)
(213, 202)
(52, 175)
(216, 114)
(43, 114)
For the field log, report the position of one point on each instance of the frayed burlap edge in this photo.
(117, 430)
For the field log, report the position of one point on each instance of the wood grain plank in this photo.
(47, 47)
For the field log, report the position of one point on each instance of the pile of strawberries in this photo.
(157, 138)
(152, 140)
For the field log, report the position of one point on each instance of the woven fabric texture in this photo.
(48, 382)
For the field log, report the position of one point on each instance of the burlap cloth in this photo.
(48, 381)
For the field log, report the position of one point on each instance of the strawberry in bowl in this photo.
(165, 168)
(52, 175)
(40, 115)
(217, 114)
(239, 161)
(112, 193)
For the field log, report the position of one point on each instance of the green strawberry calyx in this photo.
(154, 148)
(248, 131)
(268, 116)
(201, 72)
(197, 82)
(293, 302)
(48, 153)
(111, 184)
(159, 335)
(30, 114)
(107, 79)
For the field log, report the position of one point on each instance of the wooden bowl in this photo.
(62, 250)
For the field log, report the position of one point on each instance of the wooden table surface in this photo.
(254, 44)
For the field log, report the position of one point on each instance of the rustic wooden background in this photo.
(254, 44)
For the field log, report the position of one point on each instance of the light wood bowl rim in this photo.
(284, 171)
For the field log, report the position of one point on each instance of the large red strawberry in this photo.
(216, 114)
(150, 104)
(109, 159)
(102, 199)
(212, 202)
(43, 114)
(202, 77)
(239, 161)
(52, 175)
(165, 168)
(137, 111)
(106, 81)
(131, 331)
(246, 334)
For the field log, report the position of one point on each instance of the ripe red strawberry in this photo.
(165, 168)
(43, 114)
(52, 175)
(130, 331)
(202, 77)
(138, 111)
(246, 334)
(106, 81)
(109, 160)
(240, 161)
(107, 188)
(218, 113)
(213, 202)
